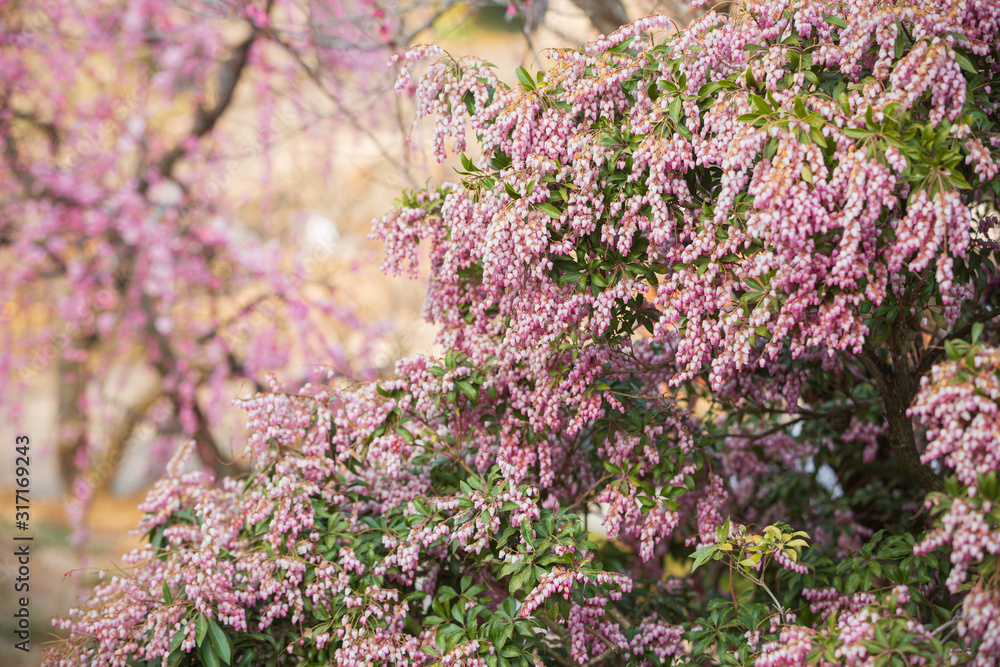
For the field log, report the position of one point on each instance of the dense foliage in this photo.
(728, 295)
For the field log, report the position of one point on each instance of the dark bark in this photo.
(898, 385)
(71, 377)
(901, 437)
(205, 119)
(208, 450)
(228, 77)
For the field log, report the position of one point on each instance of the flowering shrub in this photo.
(729, 294)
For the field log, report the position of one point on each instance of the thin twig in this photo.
(605, 640)
(944, 626)
(599, 659)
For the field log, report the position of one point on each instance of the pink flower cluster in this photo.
(967, 532)
(662, 639)
(560, 581)
(856, 618)
(765, 237)
(961, 406)
(793, 646)
(960, 402)
(980, 622)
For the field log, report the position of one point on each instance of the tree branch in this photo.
(599, 659)
(205, 119)
(348, 116)
(134, 415)
(604, 640)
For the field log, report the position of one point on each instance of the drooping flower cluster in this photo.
(960, 401)
(792, 648)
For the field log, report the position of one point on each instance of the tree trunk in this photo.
(104, 474)
(898, 386)
(72, 379)
(897, 396)
(208, 450)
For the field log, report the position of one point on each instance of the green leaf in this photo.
(771, 147)
(220, 642)
(835, 21)
(526, 532)
(702, 555)
(510, 652)
(467, 389)
(761, 104)
(977, 330)
(817, 136)
(958, 180)
(675, 108)
(709, 88)
(520, 579)
(208, 656)
(549, 209)
(722, 532)
(200, 629)
(964, 62)
(526, 81)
